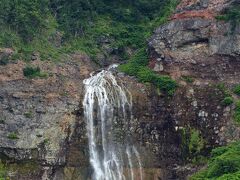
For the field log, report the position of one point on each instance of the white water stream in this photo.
(106, 105)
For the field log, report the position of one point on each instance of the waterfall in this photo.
(107, 110)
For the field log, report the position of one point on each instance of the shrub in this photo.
(196, 142)
(237, 112)
(137, 66)
(28, 114)
(227, 101)
(236, 90)
(222, 87)
(224, 163)
(32, 72)
(192, 146)
(13, 136)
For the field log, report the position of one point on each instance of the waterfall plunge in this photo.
(107, 105)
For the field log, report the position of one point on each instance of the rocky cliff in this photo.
(42, 129)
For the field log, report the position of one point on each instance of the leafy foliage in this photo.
(26, 25)
(26, 17)
(13, 136)
(137, 67)
(227, 101)
(32, 72)
(232, 15)
(237, 112)
(192, 146)
(224, 164)
(236, 90)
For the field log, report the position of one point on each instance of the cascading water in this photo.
(107, 110)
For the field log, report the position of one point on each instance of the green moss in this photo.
(236, 90)
(13, 136)
(227, 101)
(192, 146)
(224, 164)
(28, 114)
(33, 72)
(236, 115)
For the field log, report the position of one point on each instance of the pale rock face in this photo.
(158, 67)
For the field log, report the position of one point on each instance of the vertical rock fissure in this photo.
(107, 111)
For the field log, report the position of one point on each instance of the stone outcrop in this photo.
(199, 52)
(38, 115)
(195, 43)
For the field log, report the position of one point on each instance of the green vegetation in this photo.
(224, 164)
(137, 66)
(196, 143)
(236, 90)
(28, 114)
(24, 168)
(192, 146)
(3, 171)
(187, 79)
(46, 141)
(227, 101)
(232, 15)
(236, 115)
(13, 136)
(224, 89)
(31, 26)
(33, 72)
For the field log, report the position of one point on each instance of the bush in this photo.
(27, 17)
(237, 112)
(32, 72)
(227, 101)
(13, 136)
(137, 66)
(236, 90)
(224, 163)
(196, 143)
